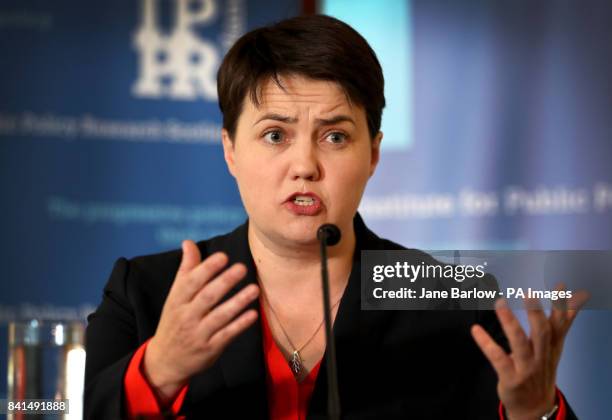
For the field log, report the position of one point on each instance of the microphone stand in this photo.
(329, 235)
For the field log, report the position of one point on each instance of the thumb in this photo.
(191, 256)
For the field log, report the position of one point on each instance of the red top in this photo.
(287, 399)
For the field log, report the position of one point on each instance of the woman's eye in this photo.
(336, 138)
(274, 137)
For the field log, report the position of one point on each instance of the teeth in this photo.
(302, 200)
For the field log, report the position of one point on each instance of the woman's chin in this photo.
(295, 230)
(303, 233)
(301, 238)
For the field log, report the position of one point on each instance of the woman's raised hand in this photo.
(193, 330)
(527, 376)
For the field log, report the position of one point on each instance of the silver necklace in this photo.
(295, 362)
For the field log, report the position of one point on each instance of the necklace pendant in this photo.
(296, 362)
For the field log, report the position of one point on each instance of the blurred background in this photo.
(498, 135)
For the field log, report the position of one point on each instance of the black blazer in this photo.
(391, 364)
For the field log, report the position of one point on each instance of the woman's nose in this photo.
(305, 162)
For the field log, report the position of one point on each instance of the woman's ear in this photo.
(228, 151)
(375, 155)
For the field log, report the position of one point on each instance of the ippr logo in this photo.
(181, 65)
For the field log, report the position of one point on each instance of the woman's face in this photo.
(301, 159)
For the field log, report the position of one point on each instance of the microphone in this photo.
(329, 235)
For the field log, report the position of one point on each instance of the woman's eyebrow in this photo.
(335, 120)
(276, 117)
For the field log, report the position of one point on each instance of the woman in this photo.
(232, 327)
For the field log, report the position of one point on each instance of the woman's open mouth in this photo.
(304, 204)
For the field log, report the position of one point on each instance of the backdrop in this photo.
(497, 136)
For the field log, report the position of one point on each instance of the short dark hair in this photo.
(315, 46)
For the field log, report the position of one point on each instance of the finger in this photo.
(540, 328)
(223, 314)
(522, 352)
(576, 303)
(558, 314)
(190, 283)
(215, 290)
(191, 257)
(224, 336)
(563, 315)
(495, 354)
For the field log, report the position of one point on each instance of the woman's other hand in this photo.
(527, 376)
(193, 330)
